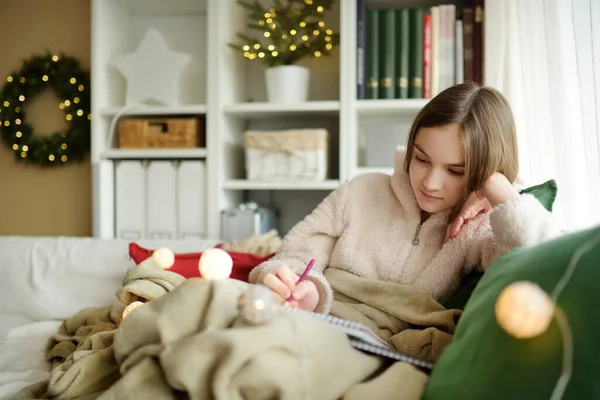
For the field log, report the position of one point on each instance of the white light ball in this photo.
(257, 305)
(524, 310)
(131, 307)
(164, 257)
(215, 264)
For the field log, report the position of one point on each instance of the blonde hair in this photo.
(487, 128)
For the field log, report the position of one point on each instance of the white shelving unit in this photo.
(230, 92)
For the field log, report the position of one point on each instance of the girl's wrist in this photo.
(498, 190)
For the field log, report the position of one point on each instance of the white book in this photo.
(458, 53)
(161, 196)
(435, 51)
(191, 199)
(130, 200)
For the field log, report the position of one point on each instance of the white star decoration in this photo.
(152, 71)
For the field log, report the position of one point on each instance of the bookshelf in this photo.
(229, 92)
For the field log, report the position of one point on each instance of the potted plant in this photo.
(290, 30)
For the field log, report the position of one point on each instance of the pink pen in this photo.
(303, 276)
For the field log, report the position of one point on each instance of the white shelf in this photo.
(187, 109)
(387, 107)
(121, 154)
(242, 184)
(161, 7)
(268, 110)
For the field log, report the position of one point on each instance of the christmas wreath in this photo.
(71, 83)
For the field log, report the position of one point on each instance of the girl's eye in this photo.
(457, 173)
(419, 159)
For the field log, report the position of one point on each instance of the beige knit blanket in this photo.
(194, 341)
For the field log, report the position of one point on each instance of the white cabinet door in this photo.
(191, 199)
(130, 201)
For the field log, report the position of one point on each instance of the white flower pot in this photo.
(287, 84)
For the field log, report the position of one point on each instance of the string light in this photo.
(524, 310)
(215, 264)
(132, 306)
(164, 257)
(9, 79)
(51, 157)
(45, 78)
(257, 305)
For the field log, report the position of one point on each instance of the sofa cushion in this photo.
(484, 362)
(186, 264)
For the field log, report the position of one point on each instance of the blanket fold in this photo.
(406, 317)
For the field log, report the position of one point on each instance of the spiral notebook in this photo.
(363, 338)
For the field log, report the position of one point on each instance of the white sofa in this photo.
(47, 279)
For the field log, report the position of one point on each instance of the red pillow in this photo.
(186, 265)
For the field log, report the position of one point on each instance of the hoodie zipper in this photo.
(416, 238)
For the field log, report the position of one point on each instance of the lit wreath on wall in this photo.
(65, 76)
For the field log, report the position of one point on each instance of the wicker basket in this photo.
(161, 133)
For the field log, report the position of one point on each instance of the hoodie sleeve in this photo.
(313, 237)
(519, 222)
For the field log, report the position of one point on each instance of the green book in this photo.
(415, 70)
(387, 50)
(372, 54)
(402, 49)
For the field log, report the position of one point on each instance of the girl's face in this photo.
(437, 168)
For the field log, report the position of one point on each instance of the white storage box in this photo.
(298, 154)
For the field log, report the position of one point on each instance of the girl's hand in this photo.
(496, 190)
(475, 205)
(285, 283)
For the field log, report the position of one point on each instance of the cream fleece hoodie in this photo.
(371, 227)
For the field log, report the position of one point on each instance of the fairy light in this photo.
(257, 305)
(132, 306)
(164, 257)
(215, 264)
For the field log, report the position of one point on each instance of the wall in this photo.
(34, 200)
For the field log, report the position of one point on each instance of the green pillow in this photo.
(484, 362)
(546, 194)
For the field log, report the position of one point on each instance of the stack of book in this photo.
(418, 52)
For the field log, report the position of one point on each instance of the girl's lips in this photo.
(429, 197)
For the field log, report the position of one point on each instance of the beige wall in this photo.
(34, 200)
